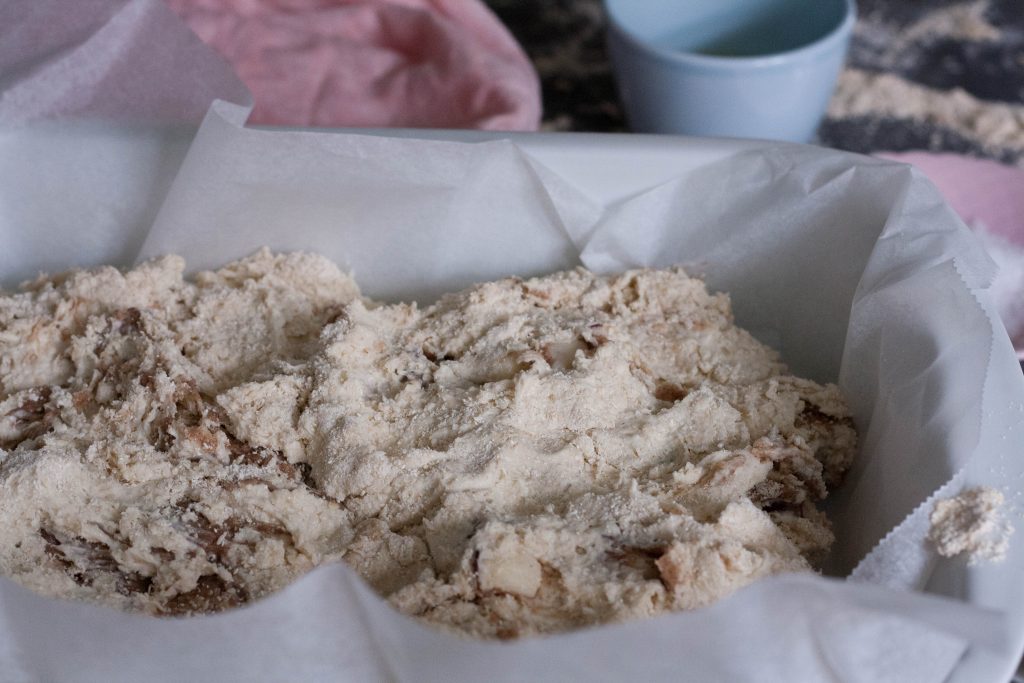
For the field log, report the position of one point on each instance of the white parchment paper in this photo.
(99, 100)
(130, 61)
(853, 268)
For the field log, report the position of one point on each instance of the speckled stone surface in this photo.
(950, 47)
(565, 41)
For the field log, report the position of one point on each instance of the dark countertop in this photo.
(940, 50)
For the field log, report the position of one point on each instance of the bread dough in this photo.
(521, 457)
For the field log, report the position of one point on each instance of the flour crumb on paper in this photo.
(971, 524)
(521, 457)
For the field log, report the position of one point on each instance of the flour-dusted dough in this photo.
(122, 479)
(521, 457)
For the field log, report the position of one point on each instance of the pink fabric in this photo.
(990, 198)
(372, 63)
(981, 192)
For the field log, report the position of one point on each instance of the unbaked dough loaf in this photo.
(521, 457)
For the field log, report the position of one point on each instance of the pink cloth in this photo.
(372, 63)
(990, 198)
(981, 192)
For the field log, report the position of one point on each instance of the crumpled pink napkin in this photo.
(989, 197)
(372, 63)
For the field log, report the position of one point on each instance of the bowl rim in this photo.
(834, 38)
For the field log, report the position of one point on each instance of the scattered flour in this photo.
(965, 22)
(971, 523)
(883, 48)
(990, 124)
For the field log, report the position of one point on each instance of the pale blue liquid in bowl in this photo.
(735, 68)
(747, 28)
